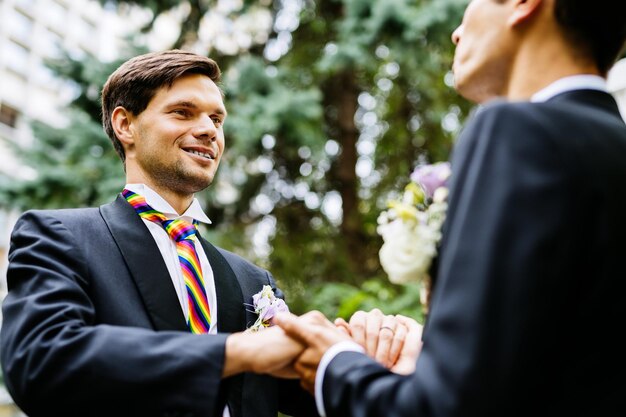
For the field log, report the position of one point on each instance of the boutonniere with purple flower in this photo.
(266, 305)
(411, 227)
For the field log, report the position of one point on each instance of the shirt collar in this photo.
(154, 200)
(574, 82)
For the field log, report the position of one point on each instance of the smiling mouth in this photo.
(201, 154)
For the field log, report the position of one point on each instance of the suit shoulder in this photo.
(576, 114)
(511, 128)
(510, 117)
(557, 129)
(67, 216)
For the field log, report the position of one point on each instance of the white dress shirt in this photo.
(167, 247)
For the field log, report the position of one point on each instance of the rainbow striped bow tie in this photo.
(182, 232)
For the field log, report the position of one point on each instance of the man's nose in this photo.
(205, 128)
(456, 35)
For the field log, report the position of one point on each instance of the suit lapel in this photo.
(230, 308)
(145, 264)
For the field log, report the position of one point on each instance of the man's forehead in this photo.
(191, 92)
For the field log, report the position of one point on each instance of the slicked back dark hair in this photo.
(136, 82)
(598, 27)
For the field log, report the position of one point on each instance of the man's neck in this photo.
(543, 61)
(525, 88)
(179, 202)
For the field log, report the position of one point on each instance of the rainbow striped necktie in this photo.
(183, 234)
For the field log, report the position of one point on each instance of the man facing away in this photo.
(530, 293)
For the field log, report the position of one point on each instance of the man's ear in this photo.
(525, 10)
(122, 123)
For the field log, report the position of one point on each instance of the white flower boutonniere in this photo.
(411, 227)
(266, 305)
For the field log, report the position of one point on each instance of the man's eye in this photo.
(217, 121)
(180, 112)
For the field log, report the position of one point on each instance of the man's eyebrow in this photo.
(191, 105)
(183, 103)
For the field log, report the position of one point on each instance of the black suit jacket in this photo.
(530, 298)
(92, 325)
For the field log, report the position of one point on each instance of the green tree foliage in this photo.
(75, 167)
(376, 73)
(333, 108)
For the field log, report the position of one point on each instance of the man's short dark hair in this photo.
(598, 27)
(136, 81)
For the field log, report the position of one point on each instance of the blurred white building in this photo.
(30, 32)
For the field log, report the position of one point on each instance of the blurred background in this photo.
(332, 104)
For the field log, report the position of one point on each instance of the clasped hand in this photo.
(296, 345)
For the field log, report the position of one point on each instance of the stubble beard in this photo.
(179, 179)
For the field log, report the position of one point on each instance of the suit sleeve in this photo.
(58, 361)
(507, 232)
